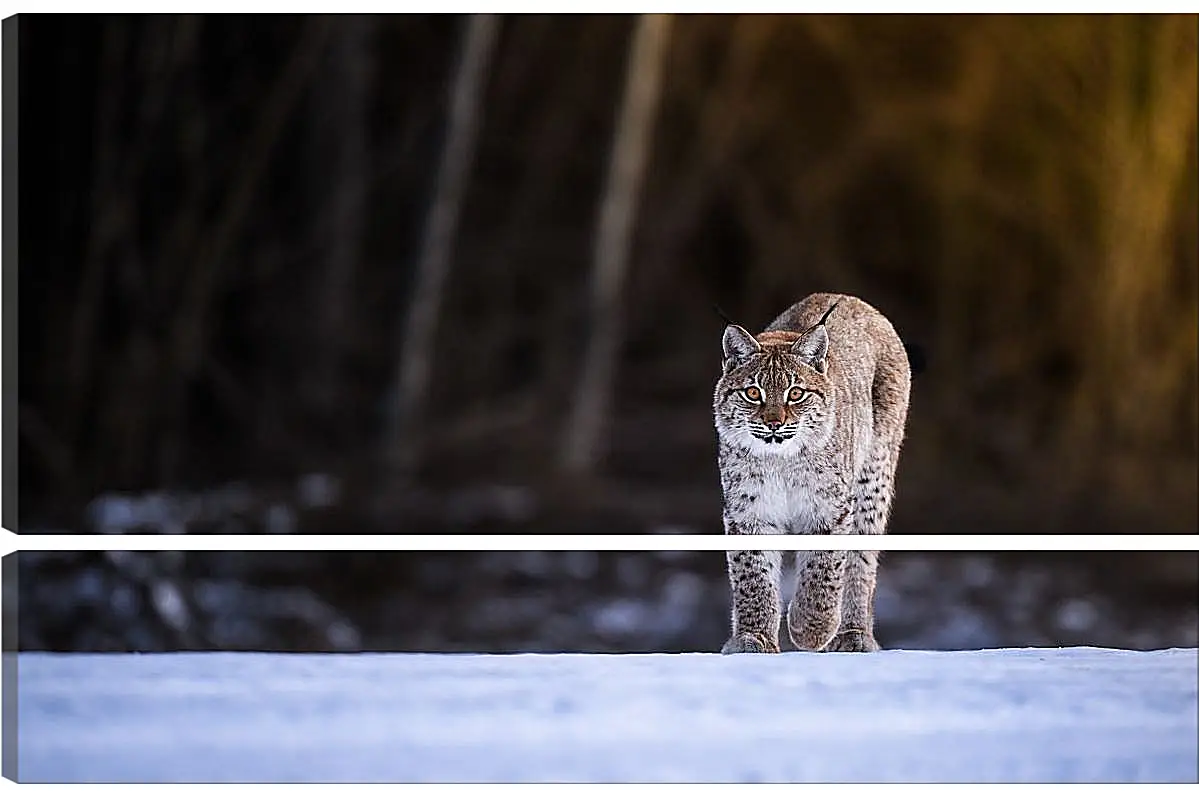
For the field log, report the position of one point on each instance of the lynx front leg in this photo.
(856, 634)
(875, 488)
(814, 614)
(757, 608)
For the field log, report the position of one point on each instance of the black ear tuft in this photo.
(720, 313)
(824, 319)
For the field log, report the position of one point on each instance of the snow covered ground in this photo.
(1046, 715)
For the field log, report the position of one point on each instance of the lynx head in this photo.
(774, 395)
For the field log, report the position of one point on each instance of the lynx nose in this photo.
(773, 424)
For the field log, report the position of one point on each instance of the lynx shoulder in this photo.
(810, 415)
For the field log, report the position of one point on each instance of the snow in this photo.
(1043, 715)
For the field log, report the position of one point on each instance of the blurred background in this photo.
(580, 601)
(457, 273)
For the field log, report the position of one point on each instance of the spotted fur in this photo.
(810, 416)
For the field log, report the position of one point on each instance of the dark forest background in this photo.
(439, 272)
(576, 601)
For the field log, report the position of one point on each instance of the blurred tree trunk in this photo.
(1143, 330)
(109, 208)
(342, 162)
(618, 210)
(419, 326)
(195, 320)
(553, 138)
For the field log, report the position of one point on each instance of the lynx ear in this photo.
(812, 348)
(739, 344)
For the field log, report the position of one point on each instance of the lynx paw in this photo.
(853, 642)
(811, 630)
(749, 643)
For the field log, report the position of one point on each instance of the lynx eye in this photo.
(753, 393)
(796, 394)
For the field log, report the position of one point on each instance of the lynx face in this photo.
(774, 395)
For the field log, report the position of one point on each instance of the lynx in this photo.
(810, 415)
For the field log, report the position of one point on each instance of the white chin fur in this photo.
(761, 448)
(785, 447)
(741, 437)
